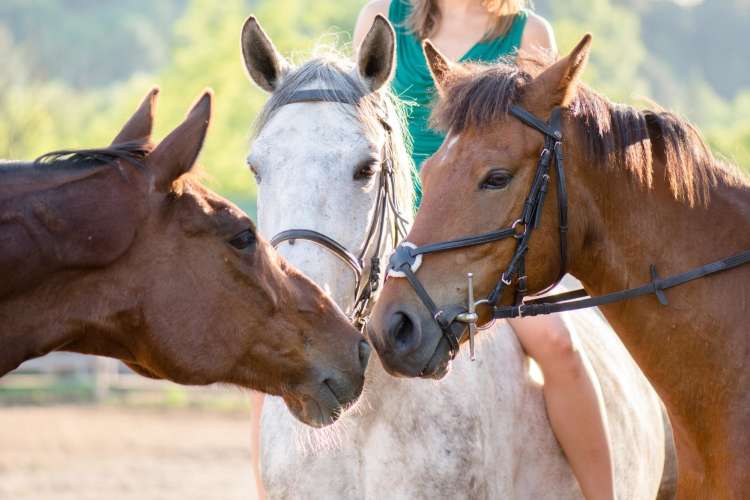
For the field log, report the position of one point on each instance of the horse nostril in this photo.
(364, 354)
(404, 333)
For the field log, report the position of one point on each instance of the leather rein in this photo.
(454, 320)
(364, 288)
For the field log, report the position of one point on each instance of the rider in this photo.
(486, 30)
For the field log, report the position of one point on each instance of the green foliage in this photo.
(617, 51)
(88, 42)
(76, 69)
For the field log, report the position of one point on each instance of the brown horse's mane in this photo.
(134, 152)
(614, 135)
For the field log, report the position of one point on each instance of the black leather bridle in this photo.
(386, 202)
(454, 320)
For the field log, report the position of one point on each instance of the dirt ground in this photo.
(86, 453)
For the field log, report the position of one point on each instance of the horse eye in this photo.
(365, 170)
(496, 179)
(243, 240)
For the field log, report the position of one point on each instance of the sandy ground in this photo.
(86, 453)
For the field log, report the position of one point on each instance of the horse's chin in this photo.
(320, 410)
(439, 364)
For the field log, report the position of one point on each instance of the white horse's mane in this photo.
(337, 73)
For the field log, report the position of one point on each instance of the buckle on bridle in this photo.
(470, 317)
(516, 234)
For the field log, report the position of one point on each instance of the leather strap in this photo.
(323, 95)
(571, 301)
(471, 241)
(322, 240)
(534, 122)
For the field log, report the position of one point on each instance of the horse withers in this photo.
(121, 252)
(645, 198)
(327, 140)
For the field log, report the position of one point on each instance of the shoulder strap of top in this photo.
(398, 11)
(515, 33)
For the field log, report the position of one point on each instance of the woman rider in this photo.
(486, 30)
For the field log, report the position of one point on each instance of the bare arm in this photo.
(538, 36)
(366, 17)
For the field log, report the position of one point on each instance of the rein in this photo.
(453, 320)
(386, 203)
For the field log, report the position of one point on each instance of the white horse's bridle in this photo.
(386, 202)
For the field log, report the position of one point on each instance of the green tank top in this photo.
(413, 83)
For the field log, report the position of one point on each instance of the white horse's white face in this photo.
(318, 163)
(317, 169)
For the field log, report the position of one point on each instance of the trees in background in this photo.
(75, 69)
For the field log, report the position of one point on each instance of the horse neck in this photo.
(621, 229)
(76, 311)
(66, 228)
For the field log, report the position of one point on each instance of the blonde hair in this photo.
(425, 15)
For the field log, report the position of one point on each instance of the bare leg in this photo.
(256, 408)
(574, 402)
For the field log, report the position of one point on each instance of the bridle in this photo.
(387, 203)
(453, 320)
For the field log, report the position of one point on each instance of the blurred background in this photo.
(74, 427)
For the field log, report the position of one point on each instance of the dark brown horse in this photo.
(121, 252)
(643, 189)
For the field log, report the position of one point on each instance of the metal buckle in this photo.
(470, 317)
(517, 235)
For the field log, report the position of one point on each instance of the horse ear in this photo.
(556, 85)
(176, 154)
(376, 58)
(265, 65)
(440, 66)
(139, 125)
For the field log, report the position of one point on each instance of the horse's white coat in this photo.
(483, 431)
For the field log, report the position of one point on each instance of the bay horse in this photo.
(121, 252)
(644, 195)
(481, 433)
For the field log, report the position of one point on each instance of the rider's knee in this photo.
(559, 355)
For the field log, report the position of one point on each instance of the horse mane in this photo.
(337, 73)
(134, 152)
(614, 135)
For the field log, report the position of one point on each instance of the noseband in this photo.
(453, 321)
(386, 202)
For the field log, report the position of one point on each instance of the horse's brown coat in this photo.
(121, 252)
(640, 195)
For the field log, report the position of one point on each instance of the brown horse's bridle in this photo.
(386, 201)
(453, 320)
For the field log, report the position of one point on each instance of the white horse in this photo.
(483, 431)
